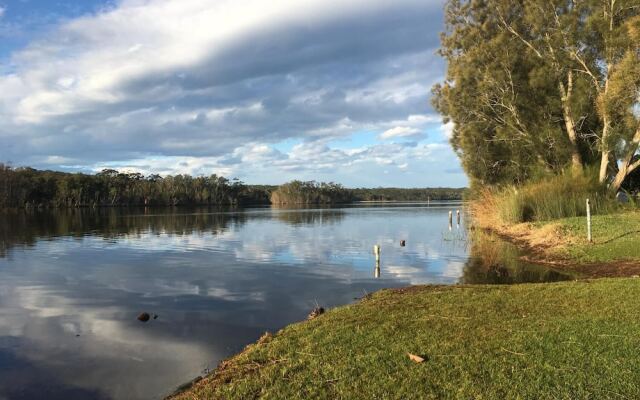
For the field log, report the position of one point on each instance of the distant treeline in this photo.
(298, 192)
(30, 188)
(401, 194)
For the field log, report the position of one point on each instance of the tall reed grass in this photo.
(553, 197)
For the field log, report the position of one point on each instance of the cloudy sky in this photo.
(266, 91)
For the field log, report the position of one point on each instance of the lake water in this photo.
(73, 282)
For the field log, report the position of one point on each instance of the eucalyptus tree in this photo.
(617, 76)
(542, 82)
(597, 39)
(505, 97)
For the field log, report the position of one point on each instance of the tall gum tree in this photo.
(620, 105)
(600, 42)
(516, 106)
(547, 29)
(553, 65)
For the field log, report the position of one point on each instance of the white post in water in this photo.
(589, 221)
(376, 251)
(450, 220)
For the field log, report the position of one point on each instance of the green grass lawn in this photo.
(572, 340)
(616, 237)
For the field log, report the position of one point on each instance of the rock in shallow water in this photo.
(144, 317)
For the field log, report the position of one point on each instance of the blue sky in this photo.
(263, 91)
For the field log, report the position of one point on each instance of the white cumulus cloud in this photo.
(400, 132)
(201, 86)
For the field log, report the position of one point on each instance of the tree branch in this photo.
(518, 35)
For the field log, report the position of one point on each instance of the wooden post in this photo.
(458, 216)
(450, 220)
(376, 251)
(589, 238)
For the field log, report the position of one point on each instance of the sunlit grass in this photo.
(566, 341)
(616, 237)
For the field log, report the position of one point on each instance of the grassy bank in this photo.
(615, 238)
(564, 340)
(548, 218)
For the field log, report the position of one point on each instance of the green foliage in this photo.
(556, 197)
(534, 84)
(570, 340)
(27, 187)
(299, 192)
(398, 194)
(502, 98)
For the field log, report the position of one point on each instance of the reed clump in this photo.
(554, 197)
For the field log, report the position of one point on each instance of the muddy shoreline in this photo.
(538, 254)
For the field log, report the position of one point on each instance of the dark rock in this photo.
(403, 243)
(144, 317)
(155, 316)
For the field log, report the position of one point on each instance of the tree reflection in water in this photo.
(495, 261)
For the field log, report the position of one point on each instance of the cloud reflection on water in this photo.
(216, 280)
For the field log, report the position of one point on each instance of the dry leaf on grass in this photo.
(415, 358)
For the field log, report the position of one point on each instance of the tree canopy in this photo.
(534, 86)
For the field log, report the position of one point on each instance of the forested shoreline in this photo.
(28, 187)
(403, 194)
(31, 188)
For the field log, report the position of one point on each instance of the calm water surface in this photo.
(73, 282)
